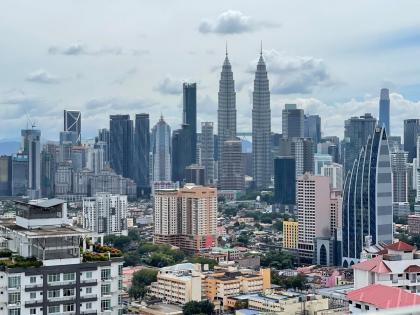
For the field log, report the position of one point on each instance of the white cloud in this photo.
(232, 22)
(170, 86)
(42, 76)
(81, 49)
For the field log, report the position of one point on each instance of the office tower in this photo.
(20, 175)
(181, 152)
(48, 169)
(61, 276)
(190, 117)
(186, 217)
(367, 199)
(31, 139)
(195, 174)
(231, 166)
(293, 122)
(105, 214)
(285, 182)
(207, 150)
(95, 159)
(394, 143)
(121, 144)
(161, 150)
(303, 151)
(141, 152)
(261, 127)
(312, 128)
(68, 137)
(411, 132)
(335, 172)
(103, 140)
(320, 160)
(356, 133)
(226, 111)
(5, 175)
(73, 122)
(78, 157)
(313, 200)
(384, 111)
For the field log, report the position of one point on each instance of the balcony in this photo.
(30, 303)
(89, 312)
(62, 298)
(60, 283)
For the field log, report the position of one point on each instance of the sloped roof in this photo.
(400, 246)
(384, 297)
(375, 264)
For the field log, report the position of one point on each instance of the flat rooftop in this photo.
(44, 231)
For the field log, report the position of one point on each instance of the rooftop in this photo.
(384, 297)
(400, 246)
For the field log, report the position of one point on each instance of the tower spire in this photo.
(261, 49)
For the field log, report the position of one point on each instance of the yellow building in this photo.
(290, 234)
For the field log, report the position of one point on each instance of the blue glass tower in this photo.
(384, 105)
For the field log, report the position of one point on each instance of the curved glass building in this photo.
(367, 200)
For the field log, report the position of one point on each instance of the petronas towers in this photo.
(261, 121)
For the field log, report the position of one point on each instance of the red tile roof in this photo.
(384, 297)
(412, 268)
(375, 264)
(400, 246)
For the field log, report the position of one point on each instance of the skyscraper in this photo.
(73, 122)
(181, 152)
(231, 166)
(302, 149)
(399, 165)
(312, 126)
(207, 150)
(5, 175)
(384, 105)
(121, 144)
(20, 171)
(103, 142)
(195, 174)
(411, 132)
(292, 122)
(141, 152)
(285, 181)
(190, 116)
(226, 112)
(356, 132)
(261, 127)
(161, 150)
(31, 139)
(367, 200)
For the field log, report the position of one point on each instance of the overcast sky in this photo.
(106, 57)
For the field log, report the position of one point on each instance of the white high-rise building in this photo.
(335, 172)
(207, 150)
(31, 139)
(105, 214)
(95, 159)
(161, 150)
(261, 127)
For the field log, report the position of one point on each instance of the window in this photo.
(105, 274)
(88, 290)
(89, 305)
(32, 311)
(68, 292)
(89, 275)
(105, 289)
(69, 276)
(32, 295)
(120, 285)
(14, 311)
(120, 299)
(32, 279)
(54, 277)
(53, 293)
(14, 298)
(14, 282)
(68, 308)
(105, 305)
(120, 270)
(53, 309)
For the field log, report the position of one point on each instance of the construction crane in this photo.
(29, 121)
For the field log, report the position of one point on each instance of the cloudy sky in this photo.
(107, 57)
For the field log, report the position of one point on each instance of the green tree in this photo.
(195, 308)
(142, 279)
(203, 261)
(134, 234)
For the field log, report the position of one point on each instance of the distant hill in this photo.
(8, 147)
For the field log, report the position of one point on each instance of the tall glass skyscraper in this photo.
(312, 129)
(181, 152)
(411, 132)
(292, 122)
(384, 105)
(261, 127)
(367, 201)
(207, 150)
(285, 181)
(73, 122)
(121, 145)
(161, 150)
(141, 151)
(190, 116)
(31, 139)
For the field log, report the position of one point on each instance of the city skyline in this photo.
(139, 77)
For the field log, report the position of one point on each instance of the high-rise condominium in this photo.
(73, 122)
(141, 151)
(367, 199)
(384, 107)
(356, 132)
(261, 127)
(121, 144)
(231, 166)
(161, 150)
(411, 132)
(207, 150)
(226, 112)
(31, 139)
(292, 122)
(190, 117)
